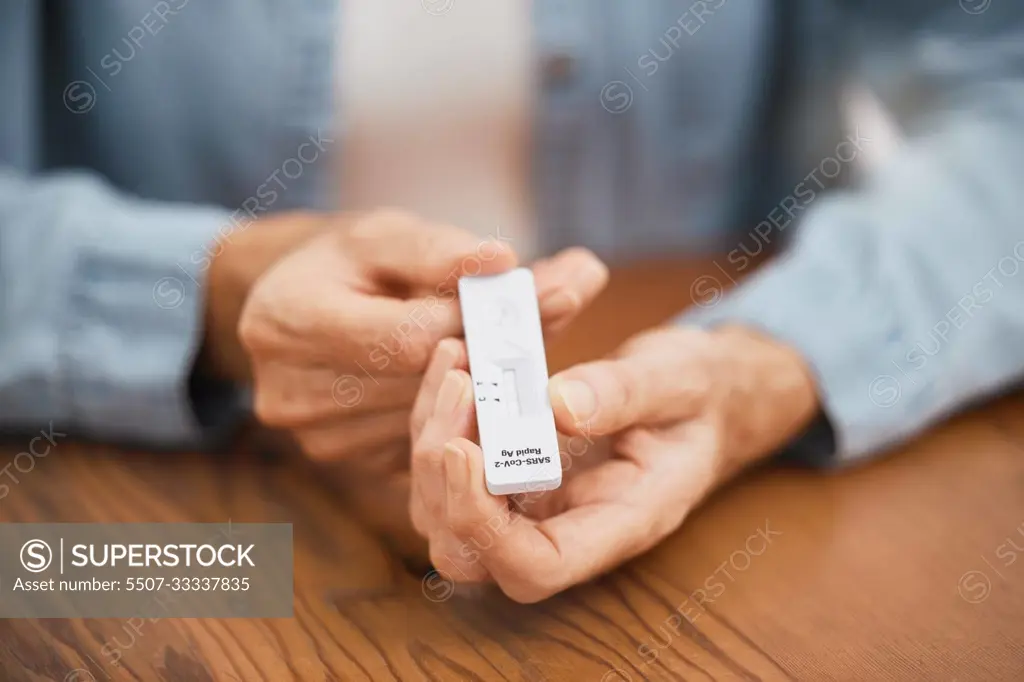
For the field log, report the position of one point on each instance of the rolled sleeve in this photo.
(104, 317)
(903, 297)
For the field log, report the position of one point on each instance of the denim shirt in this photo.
(136, 135)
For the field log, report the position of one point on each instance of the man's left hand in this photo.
(684, 409)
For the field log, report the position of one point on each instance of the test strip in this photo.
(511, 399)
(505, 344)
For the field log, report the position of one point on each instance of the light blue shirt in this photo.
(134, 135)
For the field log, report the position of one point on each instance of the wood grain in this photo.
(897, 570)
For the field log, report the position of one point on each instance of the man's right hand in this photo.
(338, 327)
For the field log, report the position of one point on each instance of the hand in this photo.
(684, 410)
(337, 318)
(378, 488)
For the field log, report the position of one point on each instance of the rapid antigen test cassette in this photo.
(505, 344)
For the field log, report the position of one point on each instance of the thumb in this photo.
(608, 396)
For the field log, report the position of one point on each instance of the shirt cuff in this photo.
(133, 327)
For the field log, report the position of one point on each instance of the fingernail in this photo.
(560, 302)
(579, 399)
(456, 467)
(598, 268)
(448, 346)
(450, 395)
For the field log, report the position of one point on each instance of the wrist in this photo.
(242, 258)
(772, 395)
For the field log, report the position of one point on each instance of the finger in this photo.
(397, 246)
(453, 415)
(566, 284)
(347, 438)
(531, 560)
(418, 512)
(449, 354)
(581, 452)
(378, 334)
(387, 336)
(291, 397)
(458, 559)
(380, 461)
(608, 396)
(610, 480)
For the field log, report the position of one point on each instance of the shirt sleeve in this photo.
(906, 295)
(101, 313)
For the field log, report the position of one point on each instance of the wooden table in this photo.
(905, 569)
